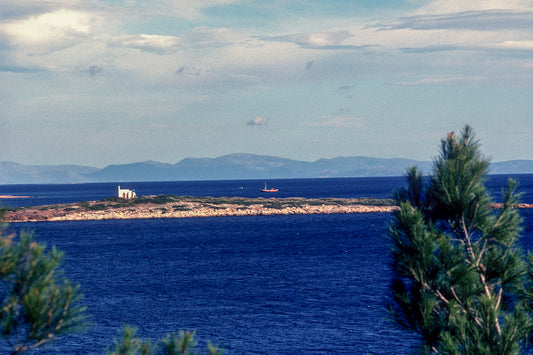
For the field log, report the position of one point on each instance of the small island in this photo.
(171, 206)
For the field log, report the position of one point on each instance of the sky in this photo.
(99, 82)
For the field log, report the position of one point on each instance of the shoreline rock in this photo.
(169, 206)
(166, 206)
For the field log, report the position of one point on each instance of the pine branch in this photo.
(454, 257)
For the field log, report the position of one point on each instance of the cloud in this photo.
(316, 40)
(447, 34)
(49, 31)
(213, 37)
(456, 6)
(471, 20)
(125, 36)
(150, 43)
(19, 9)
(258, 121)
(516, 45)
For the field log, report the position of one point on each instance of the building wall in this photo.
(126, 193)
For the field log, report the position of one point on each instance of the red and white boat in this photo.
(268, 190)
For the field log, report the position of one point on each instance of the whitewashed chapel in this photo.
(126, 193)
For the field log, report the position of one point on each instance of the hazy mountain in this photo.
(512, 167)
(243, 166)
(14, 173)
(233, 166)
(365, 166)
(143, 171)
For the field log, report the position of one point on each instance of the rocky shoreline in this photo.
(168, 206)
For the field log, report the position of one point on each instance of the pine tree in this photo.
(461, 279)
(38, 304)
(172, 344)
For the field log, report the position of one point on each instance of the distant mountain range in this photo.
(228, 167)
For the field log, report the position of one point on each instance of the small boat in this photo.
(268, 190)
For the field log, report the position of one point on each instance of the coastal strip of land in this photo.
(170, 206)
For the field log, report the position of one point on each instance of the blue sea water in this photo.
(309, 188)
(308, 284)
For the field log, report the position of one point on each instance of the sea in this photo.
(300, 284)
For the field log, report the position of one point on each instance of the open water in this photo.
(306, 284)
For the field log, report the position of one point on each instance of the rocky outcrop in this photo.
(187, 207)
(167, 206)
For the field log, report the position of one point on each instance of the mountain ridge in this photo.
(238, 166)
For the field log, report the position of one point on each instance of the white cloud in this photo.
(48, 27)
(448, 25)
(486, 20)
(209, 56)
(47, 32)
(258, 121)
(215, 37)
(518, 45)
(151, 43)
(456, 6)
(315, 39)
(469, 31)
(20, 9)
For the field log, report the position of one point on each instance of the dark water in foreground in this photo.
(263, 285)
(309, 284)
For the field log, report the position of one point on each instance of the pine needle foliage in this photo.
(183, 343)
(461, 280)
(37, 303)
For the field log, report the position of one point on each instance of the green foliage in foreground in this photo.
(172, 344)
(38, 304)
(461, 280)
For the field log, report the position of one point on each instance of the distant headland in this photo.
(170, 206)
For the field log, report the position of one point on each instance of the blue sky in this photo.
(96, 82)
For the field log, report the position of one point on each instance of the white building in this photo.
(125, 193)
